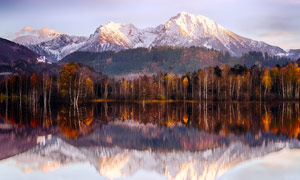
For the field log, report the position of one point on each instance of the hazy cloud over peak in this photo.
(278, 34)
(39, 32)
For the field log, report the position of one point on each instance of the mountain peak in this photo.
(111, 24)
(194, 17)
(53, 35)
(183, 14)
(193, 26)
(115, 28)
(184, 18)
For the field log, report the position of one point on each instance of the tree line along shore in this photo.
(78, 84)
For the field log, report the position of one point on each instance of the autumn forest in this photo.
(77, 83)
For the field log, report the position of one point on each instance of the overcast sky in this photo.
(276, 22)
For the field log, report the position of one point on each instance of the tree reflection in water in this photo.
(222, 119)
(75, 121)
(219, 118)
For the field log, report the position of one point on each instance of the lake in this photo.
(118, 140)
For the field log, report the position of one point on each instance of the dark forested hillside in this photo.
(11, 52)
(167, 59)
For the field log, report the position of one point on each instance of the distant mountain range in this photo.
(185, 43)
(15, 58)
(293, 53)
(58, 47)
(182, 30)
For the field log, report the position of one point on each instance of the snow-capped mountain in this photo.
(294, 53)
(113, 36)
(115, 162)
(58, 47)
(182, 30)
(291, 53)
(195, 30)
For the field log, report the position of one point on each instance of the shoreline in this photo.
(190, 101)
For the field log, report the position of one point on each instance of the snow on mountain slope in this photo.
(195, 30)
(291, 53)
(117, 163)
(59, 47)
(182, 30)
(113, 36)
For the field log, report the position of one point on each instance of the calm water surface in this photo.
(147, 141)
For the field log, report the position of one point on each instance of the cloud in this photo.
(40, 32)
(285, 39)
(278, 34)
(291, 2)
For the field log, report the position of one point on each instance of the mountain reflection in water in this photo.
(169, 140)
